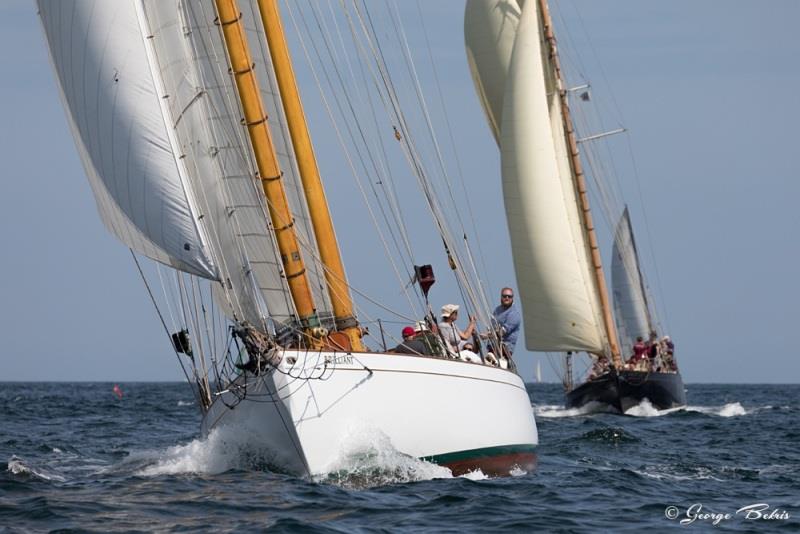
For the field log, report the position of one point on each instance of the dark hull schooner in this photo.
(625, 389)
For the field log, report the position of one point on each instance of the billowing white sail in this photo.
(114, 110)
(191, 57)
(181, 62)
(630, 301)
(560, 300)
(490, 27)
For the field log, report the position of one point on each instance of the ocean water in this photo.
(74, 457)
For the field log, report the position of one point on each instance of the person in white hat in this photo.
(454, 337)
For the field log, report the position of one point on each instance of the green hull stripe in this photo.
(486, 452)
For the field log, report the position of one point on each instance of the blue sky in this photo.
(705, 89)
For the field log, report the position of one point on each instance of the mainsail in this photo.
(155, 115)
(552, 259)
(630, 300)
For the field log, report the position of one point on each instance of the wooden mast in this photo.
(266, 160)
(580, 184)
(309, 174)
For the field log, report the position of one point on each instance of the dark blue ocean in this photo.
(74, 457)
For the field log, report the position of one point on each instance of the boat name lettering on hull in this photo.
(338, 359)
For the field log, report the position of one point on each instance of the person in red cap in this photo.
(410, 345)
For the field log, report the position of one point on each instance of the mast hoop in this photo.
(228, 22)
(249, 69)
(295, 275)
(262, 120)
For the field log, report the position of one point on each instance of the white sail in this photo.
(490, 27)
(114, 111)
(181, 61)
(560, 300)
(630, 301)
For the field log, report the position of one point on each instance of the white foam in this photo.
(16, 466)
(646, 409)
(221, 451)
(732, 409)
(475, 475)
(556, 410)
(516, 471)
(185, 403)
(367, 458)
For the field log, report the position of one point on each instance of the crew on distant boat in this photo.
(639, 358)
(653, 346)
(453, 337)
(599, 367)
(668, 355)
(508, 319)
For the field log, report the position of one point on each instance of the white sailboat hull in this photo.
(461, 415)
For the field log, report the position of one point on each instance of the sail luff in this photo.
(266, 159)
(167, 118)
(580, 184)
(321, 221)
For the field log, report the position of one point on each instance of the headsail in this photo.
(114, 110)
(630, 300)
(168, 59)
(560, 299)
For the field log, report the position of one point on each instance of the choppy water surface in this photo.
(74, 456)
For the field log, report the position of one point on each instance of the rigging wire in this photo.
(164, 324)
(636, 175)
(412, 155)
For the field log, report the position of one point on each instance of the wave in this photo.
(185, 403)
(221, 451)
(646, 409)
(677, 473)
(17, 466)
(367, 458)
(612, 435)
(732, 409)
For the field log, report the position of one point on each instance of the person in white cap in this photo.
(454, 337)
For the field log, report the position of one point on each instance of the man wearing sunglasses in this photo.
(508, 318)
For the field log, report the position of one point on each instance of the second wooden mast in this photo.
(271, 176)
(309, 174)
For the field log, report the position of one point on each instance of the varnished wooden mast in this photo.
(309, 174)
(266, 160)
(580, 184)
